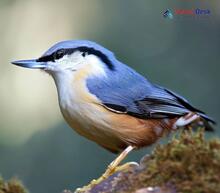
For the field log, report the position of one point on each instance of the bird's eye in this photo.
(59, 54)
(84, 54)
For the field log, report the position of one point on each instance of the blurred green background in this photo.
(36, 144)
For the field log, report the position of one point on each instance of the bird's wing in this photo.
(132, 94)
(160, 103)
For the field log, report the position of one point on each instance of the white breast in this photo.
(80, 109)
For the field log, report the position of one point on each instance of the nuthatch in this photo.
(108, 102)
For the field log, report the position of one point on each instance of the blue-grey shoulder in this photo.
(121, 86)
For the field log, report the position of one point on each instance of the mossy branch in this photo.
(188, 163)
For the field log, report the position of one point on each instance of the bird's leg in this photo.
(113, 165)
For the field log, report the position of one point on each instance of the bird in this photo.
(110, 103)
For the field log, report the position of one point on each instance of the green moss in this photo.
(12, 186)
(189, 162)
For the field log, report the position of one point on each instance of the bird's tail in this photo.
(196, 120)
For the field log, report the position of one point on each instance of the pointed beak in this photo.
(30, 64)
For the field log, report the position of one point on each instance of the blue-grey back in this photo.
(121, 86)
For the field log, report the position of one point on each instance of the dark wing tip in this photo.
(207, 118)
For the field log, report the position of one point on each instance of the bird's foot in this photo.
(126, 166)
(110, 171)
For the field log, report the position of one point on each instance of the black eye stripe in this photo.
(45, 58)
(85, 50)
(54, 56)
(98, 53)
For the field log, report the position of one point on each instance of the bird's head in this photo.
(72, 56)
